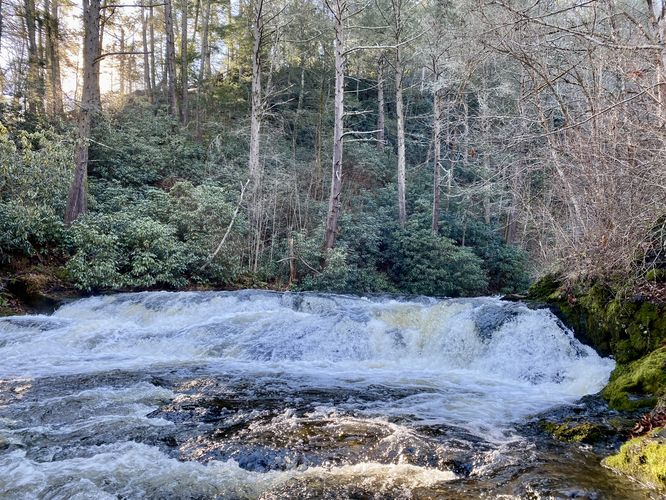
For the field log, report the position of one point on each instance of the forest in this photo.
(332, 249)
(422, 147)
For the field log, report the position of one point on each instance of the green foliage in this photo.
(27, 231)
(505, 265)
(164, 240)
(160, 203)
(35, 167)
(140, 145)
(427, 264)
(118, 251)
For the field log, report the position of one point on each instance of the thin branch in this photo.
(226, 234)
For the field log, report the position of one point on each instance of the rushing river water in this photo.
(279, 395)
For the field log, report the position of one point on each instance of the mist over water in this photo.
(260, 394)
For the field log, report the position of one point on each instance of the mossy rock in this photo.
(544, 288)
(638, 384)
(626, 328)
(643, 458)
(570, 432)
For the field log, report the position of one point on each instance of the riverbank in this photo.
(630, 326)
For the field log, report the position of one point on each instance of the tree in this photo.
(184, 111)
(53, 56)
(34, 92)
(340, 11)
(76, 201)
(170, 58)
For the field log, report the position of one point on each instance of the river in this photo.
(256, 394)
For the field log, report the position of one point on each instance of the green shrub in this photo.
(28, 231)
(160, 240)
(140, 145)
(422, 263)
(119, 251)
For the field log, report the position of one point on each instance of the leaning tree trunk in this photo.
(76, 200)
(170, 58)
(338, 131)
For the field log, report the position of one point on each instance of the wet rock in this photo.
(643, 458)
(638, 384)
(576, 432)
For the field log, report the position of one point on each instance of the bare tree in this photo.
(340, 11)
(170, 57)
(76, 200)
(53, 56)
(184, 111)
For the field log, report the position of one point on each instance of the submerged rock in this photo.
(643, 458)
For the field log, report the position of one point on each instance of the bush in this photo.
(140, 145)
(163, 240)
(505, 265)
(28, 231)
(426, 264)
(119, 251)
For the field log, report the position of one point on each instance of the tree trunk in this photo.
(197, 8)
(76, 200)
(299, 108)
(658, 11)
(184, 111)
(399, 107)
(122, 73)
(170, 58)
(204, 42)
(256, 98)
(437, 168)
(33, 57)
(293, 275)
(153, 67)
(0, 24)
(381, 120)
(147, 84)
(53, 54)
(96, 92)
(338, 129)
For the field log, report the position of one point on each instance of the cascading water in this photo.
(278, 395)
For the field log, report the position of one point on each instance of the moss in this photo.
(544, 288)
(568, 432)
(658, 275)
(643, 458)
(626, 328)
(638, 384)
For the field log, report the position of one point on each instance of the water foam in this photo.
(472, 360)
